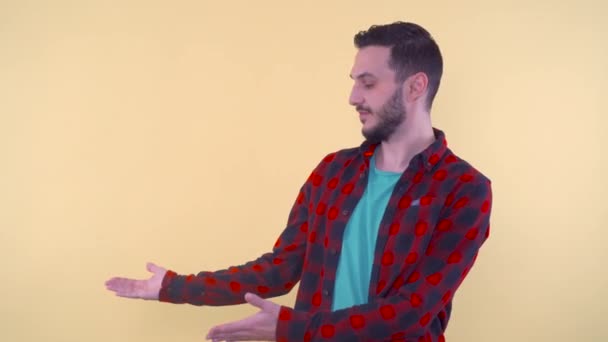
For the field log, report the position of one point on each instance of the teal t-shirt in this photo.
(359, 241)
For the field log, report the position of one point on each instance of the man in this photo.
(380, 236)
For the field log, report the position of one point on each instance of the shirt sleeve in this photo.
(273, 274)
(461, 230)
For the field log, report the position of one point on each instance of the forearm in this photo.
(271, 275)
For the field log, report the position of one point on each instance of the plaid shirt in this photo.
(432, 229)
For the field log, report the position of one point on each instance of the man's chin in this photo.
(370, 136)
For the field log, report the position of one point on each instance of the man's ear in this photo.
(416, 86)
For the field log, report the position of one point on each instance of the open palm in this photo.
(136, 288)
(261, 326)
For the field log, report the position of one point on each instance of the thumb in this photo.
(154, 268)
(256, 301)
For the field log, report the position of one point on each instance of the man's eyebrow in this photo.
(362, 75)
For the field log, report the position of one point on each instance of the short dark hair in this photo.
(412, 50)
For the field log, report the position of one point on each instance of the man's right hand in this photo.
(134, 288)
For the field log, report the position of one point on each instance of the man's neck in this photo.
(395, 154)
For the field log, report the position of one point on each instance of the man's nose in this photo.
(355, 98)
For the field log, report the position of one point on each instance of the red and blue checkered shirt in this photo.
(432, 229)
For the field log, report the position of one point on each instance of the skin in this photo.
(391, 112)
(374, 85)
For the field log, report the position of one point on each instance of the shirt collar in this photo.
(426, 159)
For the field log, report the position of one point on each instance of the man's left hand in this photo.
(260, 327)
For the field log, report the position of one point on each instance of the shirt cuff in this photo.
(169, 288)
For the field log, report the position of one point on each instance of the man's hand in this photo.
(260, 327)
(133, 288)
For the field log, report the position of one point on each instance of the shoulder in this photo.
(458, 167)
(336, 162)
(342, 155)
(340, 159)
(468, 184)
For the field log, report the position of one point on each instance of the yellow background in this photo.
(179, 132)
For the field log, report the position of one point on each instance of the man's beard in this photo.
(389, 117)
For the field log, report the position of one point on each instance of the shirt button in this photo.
(325, 293)
(344, 212)
(333, 251)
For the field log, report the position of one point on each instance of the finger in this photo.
(117, 283)
(258, 302)
(243, 325)
(114, 280)
(229, 328)
(152, 267)
(126, 294)
(234, 336)
(125, 287)
(109, 281)
(242, 336)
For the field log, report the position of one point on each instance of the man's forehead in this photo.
(371, 61)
